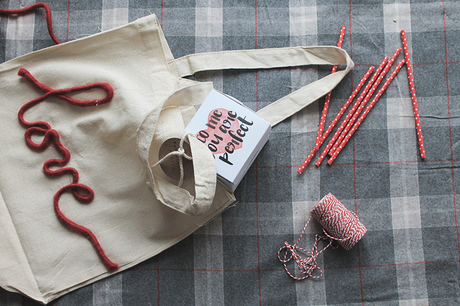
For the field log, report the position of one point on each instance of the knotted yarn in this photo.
(338, 223)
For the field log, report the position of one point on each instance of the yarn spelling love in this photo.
(81, 192)
(339, 224)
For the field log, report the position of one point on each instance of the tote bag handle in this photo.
(269, 58)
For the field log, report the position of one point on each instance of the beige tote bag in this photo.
(84, 185)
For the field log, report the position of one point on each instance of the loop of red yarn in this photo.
(81, 192)
(23, 11)
(339, 224)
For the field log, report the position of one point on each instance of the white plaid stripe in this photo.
(303, 20)
(114, 17)
(20, 31)
(303, 27)
(407, 246)
(403, 146)
(406, 212)
(108, 291)
(396, 17)
(209, 284)
(209, 22)
(412, 287)
(209, 3)
(301, 213)
(209, 288)
(303, 30)
(21, 28)
(414, 302)
(310, 292)
(208, 255)
(111, 4)
(400, 114)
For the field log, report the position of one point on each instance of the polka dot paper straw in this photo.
(322, 121)
(366, 112)
(328, 96)
(351, 111)
(335, 120)
(347, 103)
(363, 103)
(410, 76)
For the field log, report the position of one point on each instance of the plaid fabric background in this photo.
(410, 254)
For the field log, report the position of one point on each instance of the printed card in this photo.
(233, 133)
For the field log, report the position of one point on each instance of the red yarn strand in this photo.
(81, 192)
(26, 10)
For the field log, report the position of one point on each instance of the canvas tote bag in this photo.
(84, 187)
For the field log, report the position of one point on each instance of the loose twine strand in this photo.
(306, 265)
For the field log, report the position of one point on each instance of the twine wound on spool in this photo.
(338, 223)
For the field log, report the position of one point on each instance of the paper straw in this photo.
(335, 120)
(363, 103)
(366, 111)
(410, 76)
(351, 111)
(328, 96)
(322, 121)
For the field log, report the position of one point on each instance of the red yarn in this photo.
(23, 11)
(82, 193)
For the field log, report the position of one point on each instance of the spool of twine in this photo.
(338, 222)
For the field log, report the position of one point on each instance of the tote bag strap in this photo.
(268, 58)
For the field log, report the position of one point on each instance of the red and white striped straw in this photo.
(410, 76)
(366, 111)
(335, 120)
(351, 111)
(363, 103)
(328, 96)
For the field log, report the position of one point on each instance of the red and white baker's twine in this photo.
(410, 76)
(339, 224)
